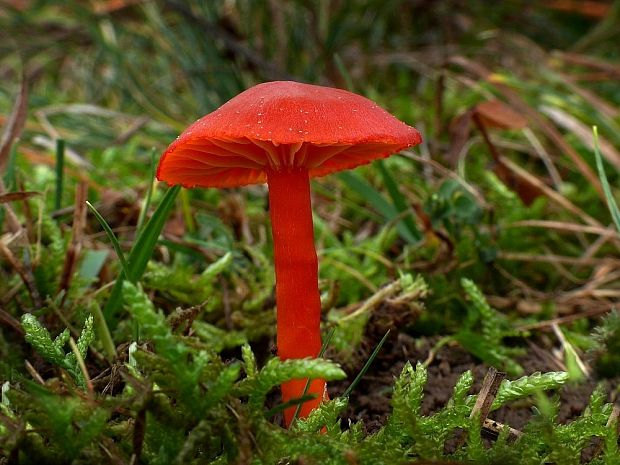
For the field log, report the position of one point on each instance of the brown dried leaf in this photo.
(497, 114)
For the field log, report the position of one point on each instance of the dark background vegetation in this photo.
(490, 244)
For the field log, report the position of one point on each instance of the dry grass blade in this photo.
(563, 226)
(612, 69)
(443, 171)
(555, 136)
(589, 96)
(24, 273)
(550, 193)
(15, 123)
(73, 251)
(561, 259)
(460, 129)
(583, 132)
(9, 321)
(548, 324)
(14, 196)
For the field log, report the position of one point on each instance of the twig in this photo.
(490, 385)
(484, 401)
(494, 428)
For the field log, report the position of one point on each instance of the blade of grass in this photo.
(9, 176)
(146, 203)
(145, 244)
(291, 403)
(141, 253)
(102, 331)
(611, 201)
(60, 166)
(187, 212)
(111, 236)
(366, 366)
(398, 199)
(359, 185)
(342, 69)
(326, 343)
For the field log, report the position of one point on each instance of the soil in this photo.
(370, 400)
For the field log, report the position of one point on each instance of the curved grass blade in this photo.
(140, 254)
(145, 244)
(398, 200)
(366, 366)
(363, 188)
(108, 231)
(149, 194)
(611, 201)
(60, 173)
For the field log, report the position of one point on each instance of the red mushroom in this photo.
(286, 133)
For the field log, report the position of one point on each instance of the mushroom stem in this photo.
(297, 290)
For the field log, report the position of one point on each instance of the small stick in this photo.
(492, 380)
(494, 428)
(490, 385)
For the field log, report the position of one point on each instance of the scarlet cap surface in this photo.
(279, 125)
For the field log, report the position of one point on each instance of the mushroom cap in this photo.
(283, 125)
